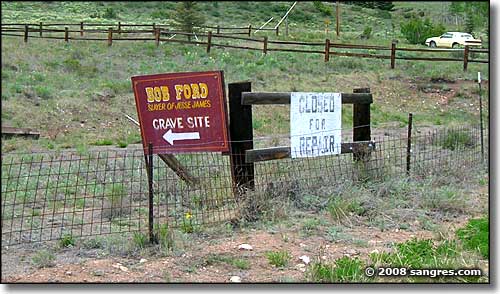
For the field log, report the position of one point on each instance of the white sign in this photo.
(315, 124)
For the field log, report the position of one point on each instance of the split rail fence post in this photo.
(41, 28)
(157, 37)
(119, 28)
(327, 50)
(66, 35)
(209, 41)
(393, 54)
(277, 31)
(110, 36)
(466, 57)
(81, 29)
(265, 45)
(249, 30)
(154, 28)
(26, 29)
(408, 145)
(361, 124)
(218, 29)
(241, 134)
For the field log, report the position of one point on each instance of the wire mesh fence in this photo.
(46, 196)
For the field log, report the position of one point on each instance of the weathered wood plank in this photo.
(172, 162)
(23, 132)
(361, 129)
(259, 98)
(241, 133)
(178, 168)
(265, 154)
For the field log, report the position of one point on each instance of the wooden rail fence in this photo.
(161, 33)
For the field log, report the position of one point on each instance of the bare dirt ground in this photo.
(196, 264)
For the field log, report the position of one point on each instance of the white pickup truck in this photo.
(452, 40)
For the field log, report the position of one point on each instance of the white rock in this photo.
(235, 279)
(123, 268)
(69, 273)
(305, 259)
(374, 251)
(245, 247)
(143, 260)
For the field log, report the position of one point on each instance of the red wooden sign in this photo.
(182, 112)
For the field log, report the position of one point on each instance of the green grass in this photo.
(278, 258)
(475, 236)
(455, 139)
(140, 239)
(343, 270)
(412, 254)
(239, 263)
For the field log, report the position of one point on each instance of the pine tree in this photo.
(456, 9)
(469, 24)
(188, 16)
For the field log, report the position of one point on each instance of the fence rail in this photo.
(162, 33)
(48, 195)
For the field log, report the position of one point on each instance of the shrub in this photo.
(93, 243)
(110, 13)
(43, 92)
(416, 30)
(455, 139)
(367, 33)
(67, 241)
(325, 10)
(43, 258)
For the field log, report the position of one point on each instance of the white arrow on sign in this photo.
(170, 136)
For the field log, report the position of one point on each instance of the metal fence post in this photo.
(408, 145)
(41, 28)
(481, 115)
(149, 166)
(81, 29)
